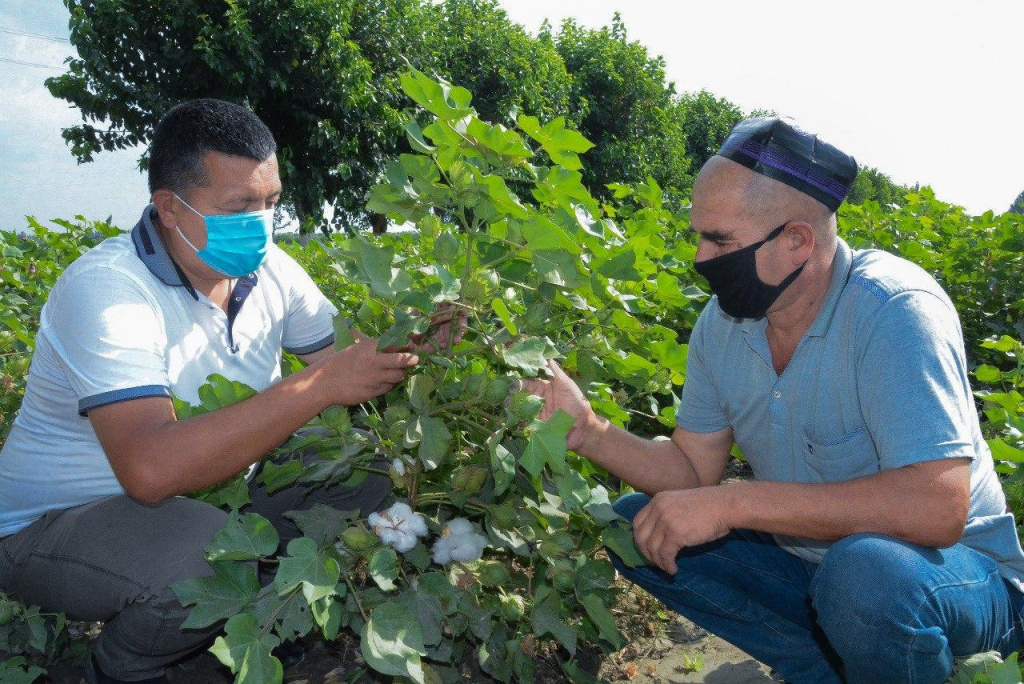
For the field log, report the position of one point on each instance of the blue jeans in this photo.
(875, 610)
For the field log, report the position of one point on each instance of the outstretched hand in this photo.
(447, 325)
(361, 372)
(560, 392)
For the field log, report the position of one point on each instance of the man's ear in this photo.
(800, 240)
(167, 207)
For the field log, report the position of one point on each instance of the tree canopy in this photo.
(323, 75)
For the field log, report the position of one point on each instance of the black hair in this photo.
(191, 129)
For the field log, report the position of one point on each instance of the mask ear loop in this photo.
(178, 228)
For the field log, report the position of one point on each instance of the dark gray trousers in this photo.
(113, 560)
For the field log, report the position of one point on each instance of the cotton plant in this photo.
(398, 527)
(459, 541)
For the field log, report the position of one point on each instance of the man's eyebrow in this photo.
(713, 235)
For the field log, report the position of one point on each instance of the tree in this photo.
(473, 43)
(320, 73)
(708, 121)
(872, 184)
(629, 111)
(1018, 204)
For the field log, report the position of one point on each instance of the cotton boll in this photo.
(399, 466)
(459, 541)
(398, 527)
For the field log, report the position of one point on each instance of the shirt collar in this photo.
(841, 265)
(842, 262)
(154, 255)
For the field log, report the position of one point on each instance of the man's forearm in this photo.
(647, 465)
(924, 504)
(206, 450)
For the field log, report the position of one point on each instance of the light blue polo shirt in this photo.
(123, 322)
(879, 381)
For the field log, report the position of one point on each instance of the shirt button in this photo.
(776, 394)
(238, 299)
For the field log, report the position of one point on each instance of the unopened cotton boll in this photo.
(398, 527)
(459, 541)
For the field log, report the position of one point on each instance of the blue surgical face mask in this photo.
(236, 244)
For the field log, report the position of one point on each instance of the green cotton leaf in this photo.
(543, 234)
(343, 336)
(420, 388)
(289, 615)
(573, 489)
(528, 355)
(383, 568)
(987, 373)
(37, 634)
(392, 643)
(503, 466)
(327, 614)
(668, 291)
(426, 609)
(1001, 451)
(1004, 343)
(576, 674)
(246, 650)
(307, 565)
(499, 308)
(323, 524)
(14, 671)
(621, 266)
(245, 537)
(557, 268)
(231, 588)
(501, 199)
(414, 134)
(619, 539)
(545, 618)
(498, 139)
(404, 326)
(547, 444)
(232, 494)
(439, 98)
(434, 442)
(603, 619)
(276, 477)
(560, 143)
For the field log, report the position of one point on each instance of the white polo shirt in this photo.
(123, 322)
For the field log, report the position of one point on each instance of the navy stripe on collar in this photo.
(154, 255)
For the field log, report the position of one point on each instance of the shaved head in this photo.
(728, 192)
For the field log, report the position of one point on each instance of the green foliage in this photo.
(29, 266)
(627, 107)
(872, 184)
(707, 123)
(976, 259)
(320, 74)
(508, 234)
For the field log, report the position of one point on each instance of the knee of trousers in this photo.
(630, 504)
(869, 591)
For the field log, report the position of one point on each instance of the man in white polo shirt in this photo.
(92, 520)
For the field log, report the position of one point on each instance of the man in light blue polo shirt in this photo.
(92, 521)
(874, 544)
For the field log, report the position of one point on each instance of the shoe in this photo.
(290, 653)
(95, 675)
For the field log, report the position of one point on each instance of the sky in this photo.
(926, 91)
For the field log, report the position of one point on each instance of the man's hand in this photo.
(560, 392)
(359, 372)
(445, 331)
(677, 519)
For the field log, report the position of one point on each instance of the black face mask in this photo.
(733, 277)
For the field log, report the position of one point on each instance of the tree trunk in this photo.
(379, 222)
